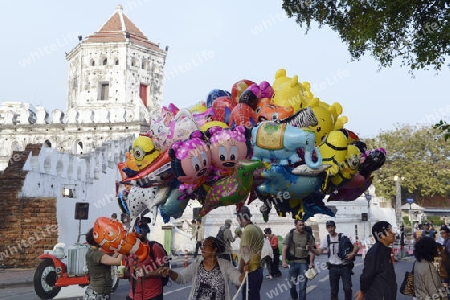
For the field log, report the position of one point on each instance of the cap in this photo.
(238, 231)
(228, 221)
(330, 223)
(245, 212)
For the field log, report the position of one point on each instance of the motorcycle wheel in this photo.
(44, 280)
(115, 279)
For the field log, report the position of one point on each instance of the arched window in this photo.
(105, 61)
(79, 148)
(92, 62)
(133, 62)
(116, 61)
(144, 64)
(47, 144)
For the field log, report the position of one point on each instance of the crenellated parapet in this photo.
(77, 133)
(72, 169)
(18, 113)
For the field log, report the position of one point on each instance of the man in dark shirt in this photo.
(378, 279)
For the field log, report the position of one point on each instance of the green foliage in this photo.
(418, 155)
(417, 32)
(437, 222)
(444, 127)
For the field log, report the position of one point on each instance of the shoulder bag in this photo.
(407, 286)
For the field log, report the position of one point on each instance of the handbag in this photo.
(407, 286)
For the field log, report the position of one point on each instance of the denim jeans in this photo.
(337, 272)
(297, 277)
(255, 280)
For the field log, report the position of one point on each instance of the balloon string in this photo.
(242, 284)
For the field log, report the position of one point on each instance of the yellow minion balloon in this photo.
(144, 151)
(349, 167)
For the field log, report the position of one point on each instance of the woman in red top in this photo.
(273, 239)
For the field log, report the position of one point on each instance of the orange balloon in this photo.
(110, 235)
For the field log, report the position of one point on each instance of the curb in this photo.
(27, 280)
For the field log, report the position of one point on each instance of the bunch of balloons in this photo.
(276, 142)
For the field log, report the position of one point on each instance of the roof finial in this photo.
(119, 7)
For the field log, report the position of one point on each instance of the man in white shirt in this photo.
(339, 268)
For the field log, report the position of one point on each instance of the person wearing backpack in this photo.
(146, 281)
(341, 254)
(296, 249)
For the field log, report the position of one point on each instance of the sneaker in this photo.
(268, 276)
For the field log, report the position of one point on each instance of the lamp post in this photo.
(368, 198)
(398, 200)
(410, 201)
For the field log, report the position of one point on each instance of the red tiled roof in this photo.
(115, 30)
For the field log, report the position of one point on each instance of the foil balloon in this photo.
(305, 118)
(334, 151)
(214, 94)
(174, 206)
(239, 87)
(372, 160)
(352, 189)
(190, 161)
(223, 106)
(279, 142)
(249, 98)
(168, 113)
(244, 115)
(288, 91)
(211, 124)
(263, 90)
(348, 168)
(139, 199)
(205, 117)
(178, 129)
(228, 147)
(313, 204)
(158, 172)
(280, 181)
(232, 189)
(144, 151)
(266, 110)
(110, 235)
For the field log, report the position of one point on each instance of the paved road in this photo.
(276, 288)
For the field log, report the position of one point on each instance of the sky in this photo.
(225, 41)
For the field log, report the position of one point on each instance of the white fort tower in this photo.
(114, 87)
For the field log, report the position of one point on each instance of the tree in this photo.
(416, 31)
(420, 155)
(444, 127)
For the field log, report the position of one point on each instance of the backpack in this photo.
(345, 246)
(221, 236)
(164, 280)
(289, 256)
